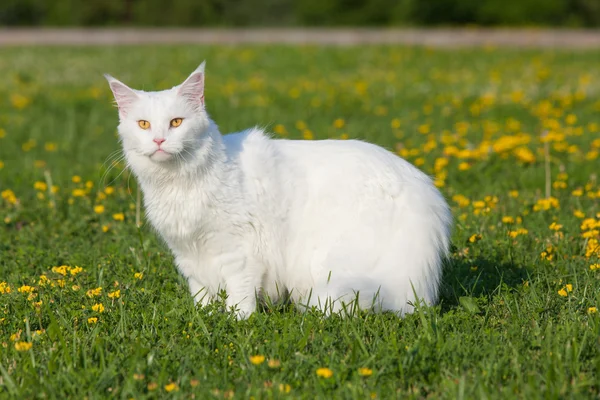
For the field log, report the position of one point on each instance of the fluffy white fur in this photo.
(332, 223)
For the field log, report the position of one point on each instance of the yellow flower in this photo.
(114, 295)
(395, 124)
(9, 196)
(119, 217)
(520, 231)
(280, 129)
(19, 101)
(92, 320)
(109, 190)
(50, 146)
(4, 288)
(592, 310)
(26, 289)
(138, 275)
(274, 363)
(562, 292)
(324, 373)
(577, 192)
(105, 228)
(1, 164)
(478, 204)
(569, 287)
(75, 270)
(475, 238)
(257, 360)
(94, 292)
(78, 193)
(76, 179)
(23, 346)
(98, 307)
(508, 220)
(99, 209)
(578, 214)
(365, 371)
(40, 186)
(555, 227)
(62, 270)
(546, 204)
(461, 200)
(307, 134)
(463, 166)
(284, 388)
(152, 386)
(593, 267)
(171, 387)
(339, 123)
(514, 194)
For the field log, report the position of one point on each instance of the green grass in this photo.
(501, 329)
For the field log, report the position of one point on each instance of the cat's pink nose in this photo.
(159, 141)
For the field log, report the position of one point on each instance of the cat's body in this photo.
(330, 222)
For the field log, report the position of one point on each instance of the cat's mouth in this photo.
(160, 155)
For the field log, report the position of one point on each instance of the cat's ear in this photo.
(193, 87)
(124, 96)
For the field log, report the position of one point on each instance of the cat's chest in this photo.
(179, 214)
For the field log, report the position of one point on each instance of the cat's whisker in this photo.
(112, 166)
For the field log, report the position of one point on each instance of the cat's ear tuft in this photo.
(124, 96)
(193, 87)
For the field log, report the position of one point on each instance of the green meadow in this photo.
(92, 306)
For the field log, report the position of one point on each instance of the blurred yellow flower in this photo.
(119, 217)
(5, 288)
(99, 307)
(365, 371)
(62, 270)
(26, 289)
(592, 310)
(562, 292)
(23, 346)
(508, 220)
(339, 123)
(50, 147)
(171, 387)
(114, 295)
(76, 179)
(40, 186)
(257, 360)
(99, 209)
(19, 101)
(94, 292)
(475, 238)
(324, 373)
(138, 275)
(284, 388)
(92, 320)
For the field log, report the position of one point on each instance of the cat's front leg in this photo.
(199, 292)
(242, 289)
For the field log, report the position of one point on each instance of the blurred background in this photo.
(276, 13)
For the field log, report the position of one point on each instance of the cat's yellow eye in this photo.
(175, 122)
(144, 124)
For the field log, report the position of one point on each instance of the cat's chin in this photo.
(161, 156)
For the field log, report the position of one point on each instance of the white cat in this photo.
(333, 223)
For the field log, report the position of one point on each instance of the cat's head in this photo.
(161, 127)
